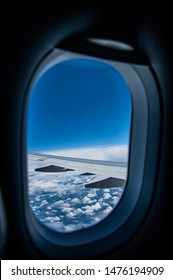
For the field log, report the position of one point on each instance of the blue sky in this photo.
(78, 103)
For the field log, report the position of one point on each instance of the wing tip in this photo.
(107, 183)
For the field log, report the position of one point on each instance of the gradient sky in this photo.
(78, 103)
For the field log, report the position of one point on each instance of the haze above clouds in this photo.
(110, 153)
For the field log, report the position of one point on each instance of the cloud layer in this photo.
(110, 153)
(61, 201)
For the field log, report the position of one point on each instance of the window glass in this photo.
(78, 133)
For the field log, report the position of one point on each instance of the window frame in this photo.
(136, 199)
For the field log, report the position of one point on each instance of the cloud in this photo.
(79, 211)
(94, 207)
(52, 219)
(75, 200)
(71, 227)
(71, 214)
(92, 194)
(61, 201)
(115, 200)
(44, 202)
(106, 196)
(87, 200)
(107, 153)
(107, 210)
(67, 209)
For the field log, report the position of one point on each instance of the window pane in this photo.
(78, 133)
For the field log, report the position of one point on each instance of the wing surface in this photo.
(108, 174)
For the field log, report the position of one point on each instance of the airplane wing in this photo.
(108, 174)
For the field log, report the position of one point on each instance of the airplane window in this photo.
(78, 135)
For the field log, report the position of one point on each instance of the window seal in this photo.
(132, 208)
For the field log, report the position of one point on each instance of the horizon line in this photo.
(94, 161)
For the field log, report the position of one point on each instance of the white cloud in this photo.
(71, 214)
(115, 200)
(107, 210)
(88, 210)
(106, 190)
(92, 194)
(51, 219)
(75, 200)
(57, 199)
(97, 219)
(106, 196)
(67, 209)
(44, 202)
(71, 227)
(108, 153)
(79, 211)
(86, 200)
(96, 206)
